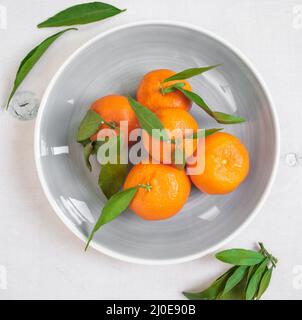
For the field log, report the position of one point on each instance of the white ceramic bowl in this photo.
(114, 62)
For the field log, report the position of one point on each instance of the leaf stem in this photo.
(110, 124)
(147, 186)
(170, 88)
(272, 259)
(162, 89)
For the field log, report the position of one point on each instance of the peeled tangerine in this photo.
(170, 189)
(226, 164)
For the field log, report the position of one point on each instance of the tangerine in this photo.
(226, 164)
(150, 95)
(169, 190)
(114, 109)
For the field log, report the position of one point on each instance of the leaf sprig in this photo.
(90, 125)
(113, 175)
(148, 120)
(118, 203)
(248, 279)
(31, 59)
(189, 73)
(81, 14)
(204, 133)
(165, 90)
(220, 117)
(76, 15)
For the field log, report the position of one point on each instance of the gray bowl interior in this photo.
(116, 63)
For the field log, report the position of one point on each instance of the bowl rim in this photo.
(125, 257)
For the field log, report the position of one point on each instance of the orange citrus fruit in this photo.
(149, 92)
(179, 121)
(170, 189)
(114, 109)
(226, 164)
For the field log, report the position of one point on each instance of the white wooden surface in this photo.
(42, 258)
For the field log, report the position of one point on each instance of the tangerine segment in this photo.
(170, 189)
(149, 92)
(114, 109)
(226, 164)
(179, 121)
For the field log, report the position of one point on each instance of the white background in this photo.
(45, 260)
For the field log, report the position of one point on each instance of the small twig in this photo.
(272, 259)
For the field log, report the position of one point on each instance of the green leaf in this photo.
(237, 293)
(264, 283)
(212, 292)
(197, 99)
(89, 125)
(241, 282)
(249, 274)
(225, 118)
(31, 59)
(96, 144)
(209, 132)
(172, 88)
(85, 142)
(81, 14)
(253, 284)
(88, 150)
(99, 143)
(203, 133)
(112, 209)
(237, 276)
(181, 152)
(112, 175)
(220, 117)
(240, 257)
(189, 73)
(148, 120)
